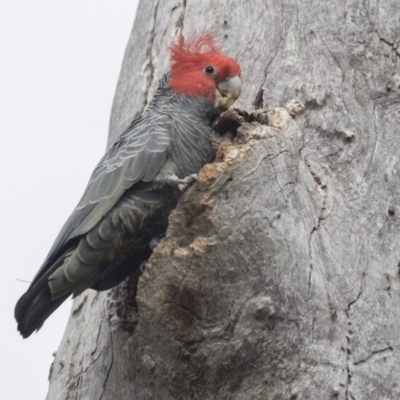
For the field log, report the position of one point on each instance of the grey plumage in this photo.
(125, 205)
(137, 183)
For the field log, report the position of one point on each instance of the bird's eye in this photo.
(209, 69)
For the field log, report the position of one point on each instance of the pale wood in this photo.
(279, 277)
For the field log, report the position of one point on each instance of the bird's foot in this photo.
(182, 184)
(155, 242)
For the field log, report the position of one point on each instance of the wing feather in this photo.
(138, 155)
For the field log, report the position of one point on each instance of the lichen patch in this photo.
(276, 120)
(209, 172)
(226, 151)
(199, 245)
(165, 248)
(295, 107)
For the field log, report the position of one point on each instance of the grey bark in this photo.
(279, 275)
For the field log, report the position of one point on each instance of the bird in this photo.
(138, 182)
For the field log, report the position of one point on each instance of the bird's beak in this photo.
(226, 93)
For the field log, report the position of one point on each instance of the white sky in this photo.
(59, 65)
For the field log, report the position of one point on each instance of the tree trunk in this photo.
(279, 275)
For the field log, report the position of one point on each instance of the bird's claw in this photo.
(187, 181)
(182, 184)
(155, 242)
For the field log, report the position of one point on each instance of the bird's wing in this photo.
(137, 155)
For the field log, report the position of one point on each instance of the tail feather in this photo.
(116, 276)
(34, 307)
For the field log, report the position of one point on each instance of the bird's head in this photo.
(198, 69)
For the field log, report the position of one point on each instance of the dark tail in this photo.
(125, 269)
(34, 307)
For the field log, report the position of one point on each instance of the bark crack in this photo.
(349, 349)
(103, 389)
(181, 19)
(334, 58)
(323, 187)
(148, 70)
(375, 144)
(97, 338)
(393, 45)
(277, 182)
(283, 187)
(273, 57)
(377, 354)
(92, 362)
